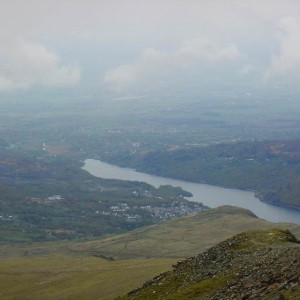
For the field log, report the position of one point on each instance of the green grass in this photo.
(74, 277)
(292, 294)
(262, 238)
(172, 291)
(202, 288)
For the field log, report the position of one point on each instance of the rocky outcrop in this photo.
(261, 264)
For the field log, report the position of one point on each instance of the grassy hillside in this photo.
(181, 237)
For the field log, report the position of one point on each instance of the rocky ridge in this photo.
(261, 264)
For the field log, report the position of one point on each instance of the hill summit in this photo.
(258, 264)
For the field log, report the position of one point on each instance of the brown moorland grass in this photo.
(61, 276)
(183, 237)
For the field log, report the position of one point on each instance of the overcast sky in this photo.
(140, 46)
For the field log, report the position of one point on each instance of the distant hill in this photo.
(261, 264)
(181, 237)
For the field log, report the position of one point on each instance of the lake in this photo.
(209, 195)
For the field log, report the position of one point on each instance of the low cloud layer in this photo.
(283, 61)
(288, 58)
(25, 64)
(152, 62)
(123, 45)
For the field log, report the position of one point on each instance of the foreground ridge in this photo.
(260, 264)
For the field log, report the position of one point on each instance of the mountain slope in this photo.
(73, 270)
(261, 264)
(181, 237)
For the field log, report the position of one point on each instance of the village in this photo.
(160, 213)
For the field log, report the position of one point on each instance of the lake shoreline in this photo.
(210, 195)
(257, 194)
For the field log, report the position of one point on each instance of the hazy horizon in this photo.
(142, 48)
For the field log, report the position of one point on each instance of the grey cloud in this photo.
(139, 39)
(288, 57)
(25, 64)
(152, 62)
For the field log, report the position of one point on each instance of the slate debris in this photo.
(259, 265)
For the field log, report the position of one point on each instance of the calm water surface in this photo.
(209, 195)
